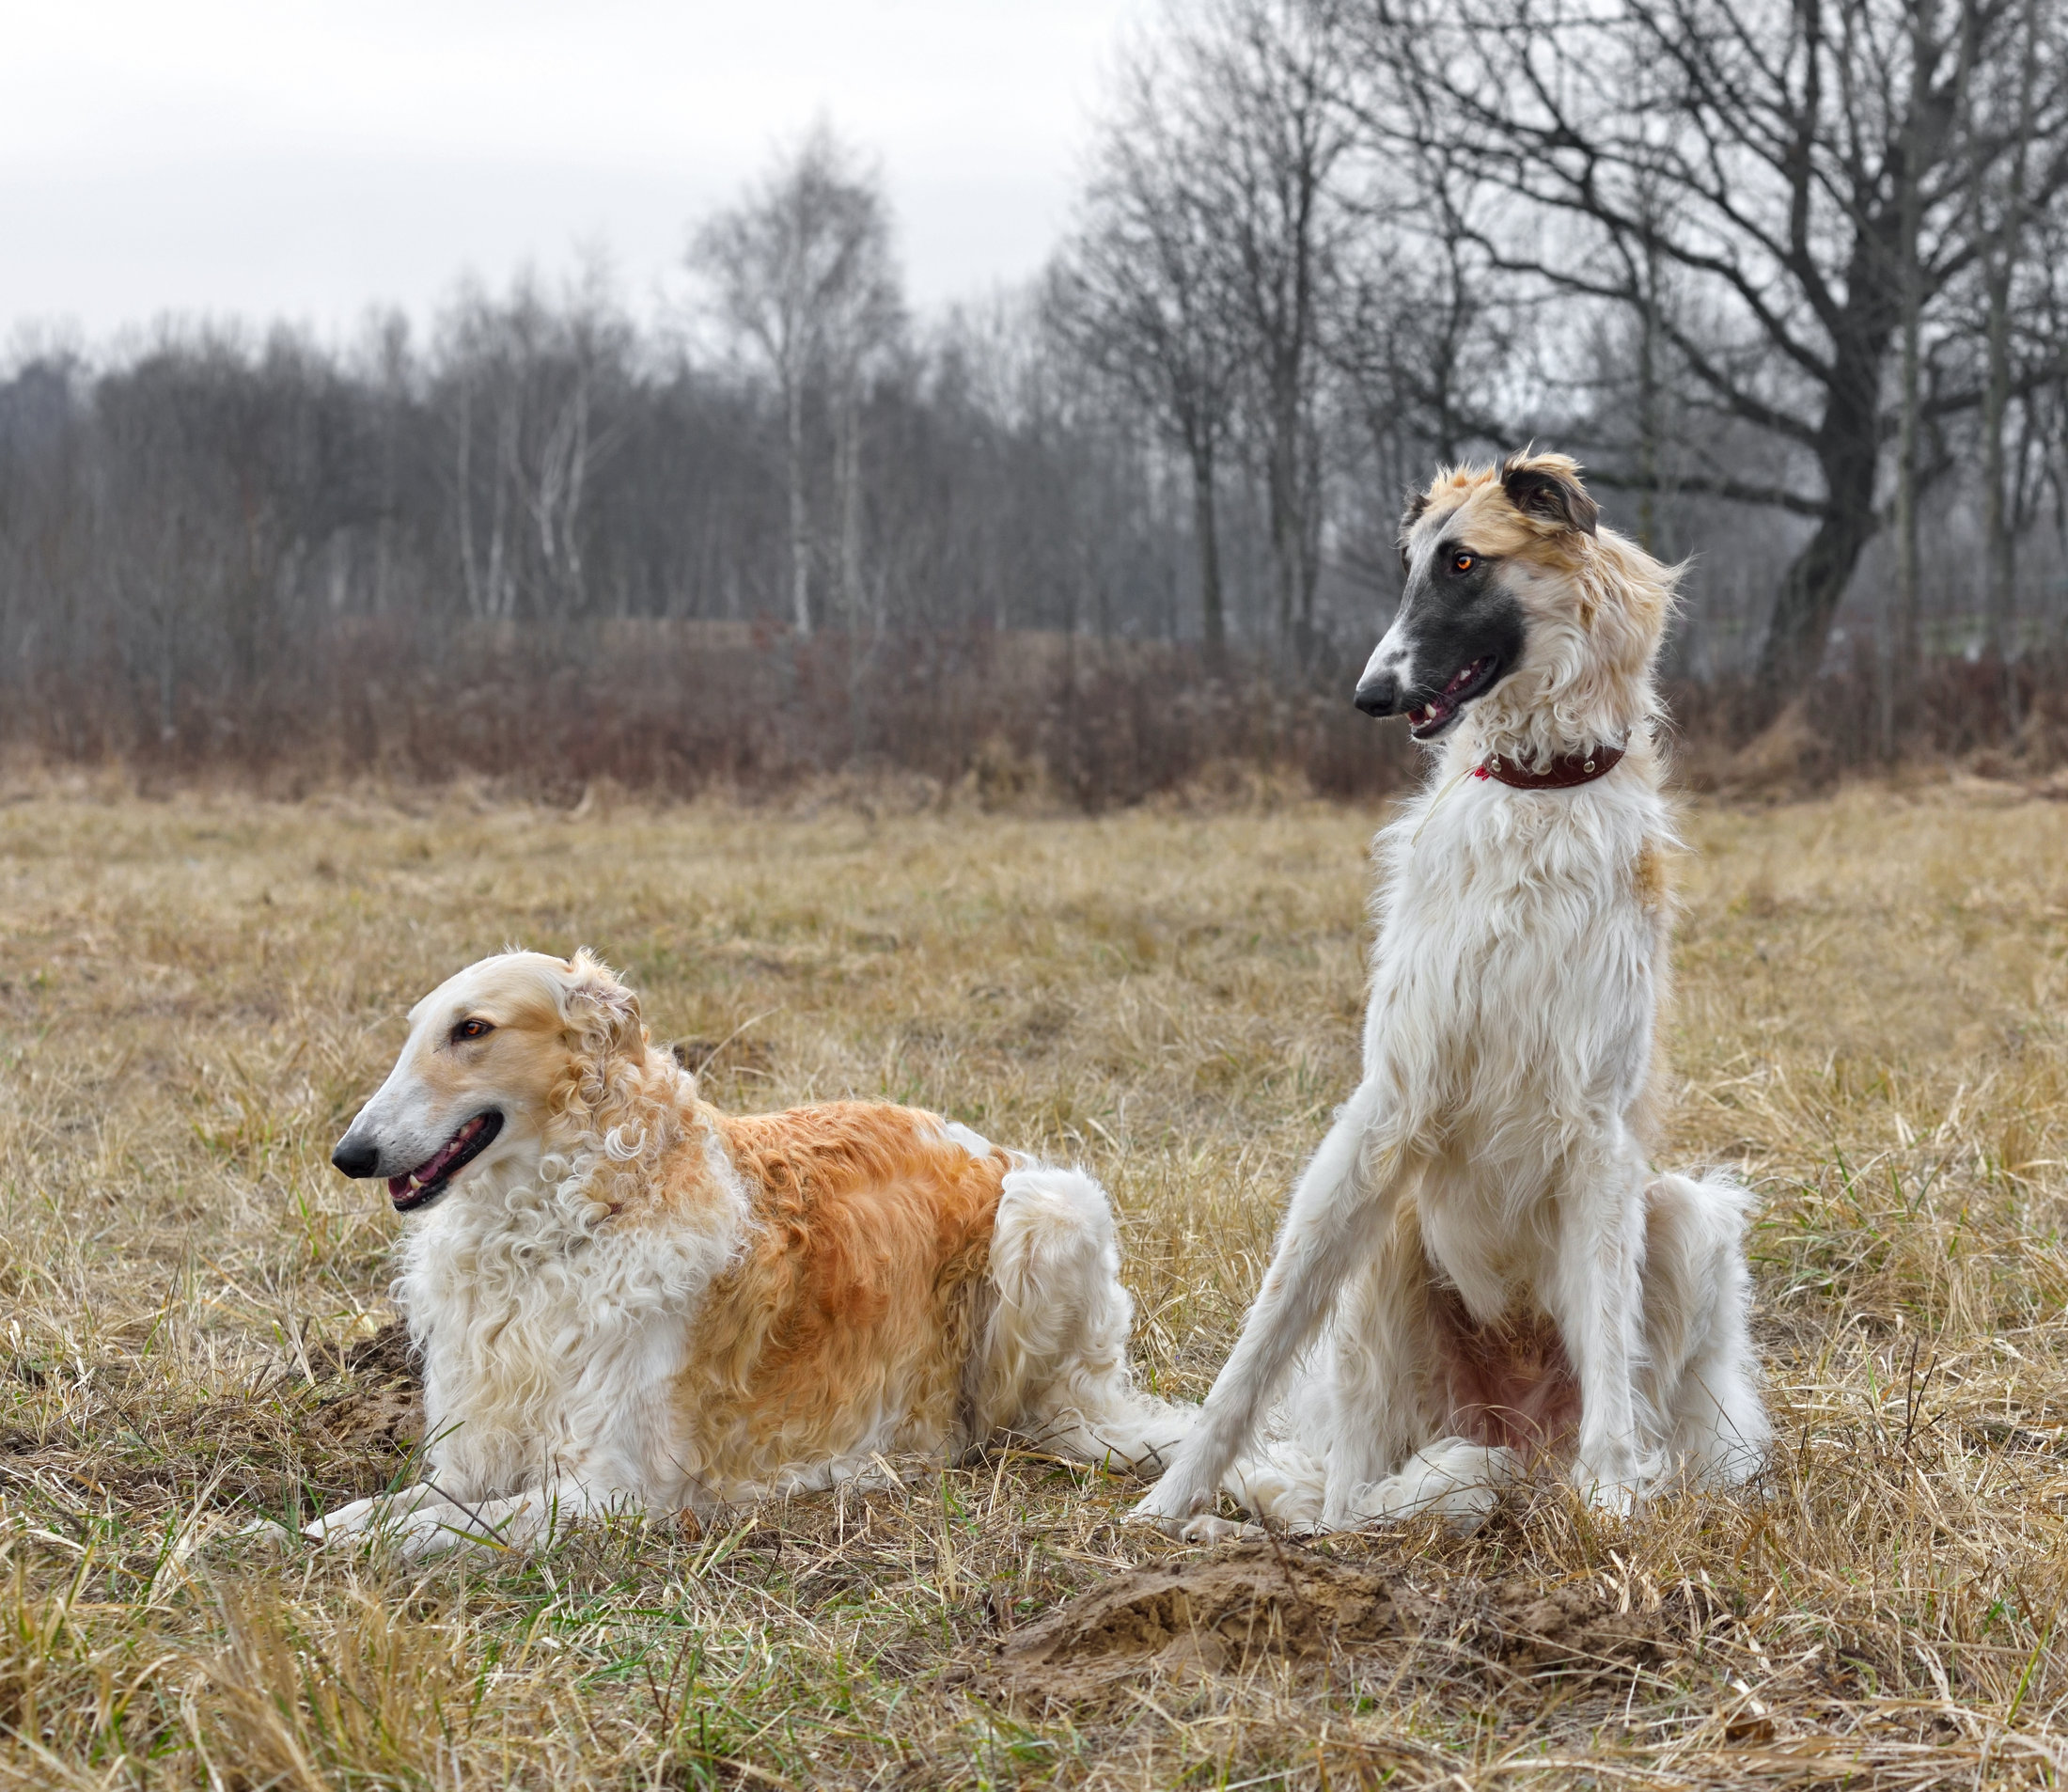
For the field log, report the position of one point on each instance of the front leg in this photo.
(371, 1517)
(420, 1521)
(529, 1520)
(1597, 1299)
(1382, 1363)
(1343, 1199)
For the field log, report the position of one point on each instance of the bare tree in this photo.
(524, 383)
(2000, 201)
(1898, 654)
(1267, 80)
(1141, 291)
(1418, 334)
(802, 272)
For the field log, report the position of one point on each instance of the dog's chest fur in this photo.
(1516, 980)
(550, 1335)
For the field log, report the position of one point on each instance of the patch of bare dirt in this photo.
(1265, 1601)
(383, 1408)
(348, 1435)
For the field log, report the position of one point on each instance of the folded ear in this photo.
(602, 1014)
(1547, 488)
(600, 1008)
(600, 1021)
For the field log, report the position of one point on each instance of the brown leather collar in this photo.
(1568, 771)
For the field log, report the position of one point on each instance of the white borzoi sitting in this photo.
(1480, 1267)
(628, 1300)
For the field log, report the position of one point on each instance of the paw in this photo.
(267, 1531)
(437, 1531)
(346, 1522)
(1169, 1508)
(1206, 1528)
(1609, 1496)
(364, 1519)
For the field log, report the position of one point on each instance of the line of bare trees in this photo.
(1787, 273)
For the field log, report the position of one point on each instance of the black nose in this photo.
(356, 1161)
(1379, 694)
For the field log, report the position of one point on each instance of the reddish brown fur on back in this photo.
(861, 1287)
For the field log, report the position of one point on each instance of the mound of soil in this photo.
(1264, 1601)
(383, 1411)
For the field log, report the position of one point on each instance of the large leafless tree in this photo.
(1808, 166)
(1268, 78)
(1142, 292)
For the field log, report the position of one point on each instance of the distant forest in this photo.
(1790, 277)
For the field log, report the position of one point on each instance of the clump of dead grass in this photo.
(194, 994)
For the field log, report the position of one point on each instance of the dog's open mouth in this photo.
(434, 1175)
(1431, 719)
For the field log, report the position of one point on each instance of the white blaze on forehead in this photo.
(1391, 656)
(1428, 531)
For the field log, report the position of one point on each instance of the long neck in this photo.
(1556, 724)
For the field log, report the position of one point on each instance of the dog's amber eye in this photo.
(473, 1029)
(1463, 562)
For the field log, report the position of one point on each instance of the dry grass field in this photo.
(194, 993)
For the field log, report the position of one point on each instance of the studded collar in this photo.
(1568, 771)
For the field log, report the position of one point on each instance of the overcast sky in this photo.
(307, 161)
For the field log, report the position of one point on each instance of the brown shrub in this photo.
(1013, 719)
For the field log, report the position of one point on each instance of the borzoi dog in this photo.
(1480, 1267)
(626, 1299)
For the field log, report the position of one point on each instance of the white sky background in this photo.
(305, 162)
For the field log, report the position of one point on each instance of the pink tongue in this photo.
(399, 1187)
(426, 1174)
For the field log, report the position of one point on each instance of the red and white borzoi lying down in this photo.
(1481, 1267)
(628, 1300)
